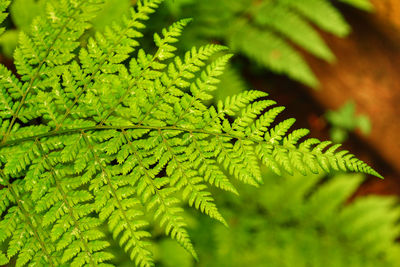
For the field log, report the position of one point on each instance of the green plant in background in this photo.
(297, 221)
(270, 27)
(109, 135)
(265, 30)
(22, 14)
(344, 120)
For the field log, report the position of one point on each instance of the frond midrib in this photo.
(259, 141)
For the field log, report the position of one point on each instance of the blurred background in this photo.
(334, 65)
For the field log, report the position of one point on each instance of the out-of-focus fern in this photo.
(361, 4)
(265, 30)
(22, 13)
(297, 221)
(270, 27)
(108, 134)
(344, 120)
(3, 14)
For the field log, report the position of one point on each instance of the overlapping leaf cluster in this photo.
(108, 134)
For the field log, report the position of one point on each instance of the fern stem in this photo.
(122, 128)
(29, 222)
(114, 193)
(36, 75)
(162, 128)
(66, 202)
(149, 181)
(111, 127)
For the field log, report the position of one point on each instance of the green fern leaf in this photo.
(108, 134)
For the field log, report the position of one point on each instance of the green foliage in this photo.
(362, 4)
(344, 120)
(24, 11)
(108, 134)
(298, 221)
(22, 14)
(3, 14)
(270, 27)
(113, 12)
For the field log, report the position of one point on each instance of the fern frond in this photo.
(327, 18)
(272, 15)
(120, 137)
(271, 51)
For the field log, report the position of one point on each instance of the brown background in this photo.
(367, 70)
